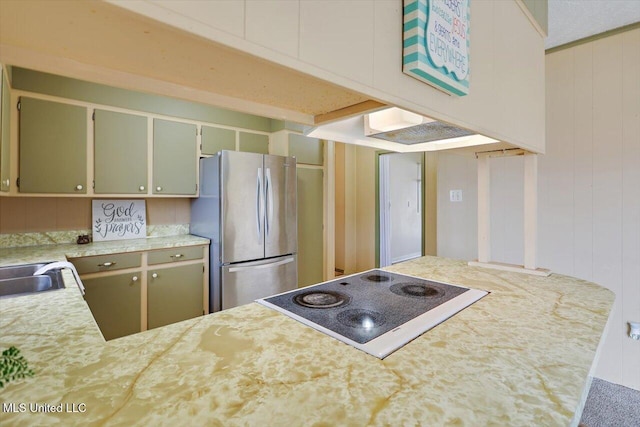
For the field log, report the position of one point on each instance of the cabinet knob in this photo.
(158, 188)
(177, 256)
(6, 182)
(154, 275)
(79, 187)
(141, 188)
(134, 278)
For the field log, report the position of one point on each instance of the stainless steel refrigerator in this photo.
(247, 208)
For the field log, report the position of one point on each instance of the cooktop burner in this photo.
(361, 319)
(321, 299)
(417, 290)
(376, 278)
(376, 311)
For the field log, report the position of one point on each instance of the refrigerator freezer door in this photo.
(246, 282)
(280, 205)
(242, 206)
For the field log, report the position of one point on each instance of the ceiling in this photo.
(571, 20)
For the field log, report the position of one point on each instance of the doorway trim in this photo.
(379, 216)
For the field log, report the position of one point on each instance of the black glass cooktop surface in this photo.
(365, 306)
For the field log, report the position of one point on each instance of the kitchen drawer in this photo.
(95, 264)
(184, 253)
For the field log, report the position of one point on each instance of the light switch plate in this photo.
(455, 195)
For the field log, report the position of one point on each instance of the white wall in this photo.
(588, 187)
(507, 213)
(457, 223)
(589, 182)
(357, 44)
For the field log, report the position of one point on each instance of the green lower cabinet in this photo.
(174, 294)
(115, 303)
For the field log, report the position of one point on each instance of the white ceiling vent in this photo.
(399, 130)
(405, 127)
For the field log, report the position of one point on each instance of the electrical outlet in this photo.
(634, 330)
(455, 195)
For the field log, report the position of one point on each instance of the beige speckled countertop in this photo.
(520, 356)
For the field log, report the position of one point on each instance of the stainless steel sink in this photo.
(19, 280)
(15, 271)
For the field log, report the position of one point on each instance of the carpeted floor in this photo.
(611, 405)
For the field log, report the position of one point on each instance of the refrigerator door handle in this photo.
(259, 214)
(255, 267)
(269, 200)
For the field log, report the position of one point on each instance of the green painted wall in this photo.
(277, 125)
(65, 87)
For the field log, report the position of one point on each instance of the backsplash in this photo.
(28, 221)
(70, 236)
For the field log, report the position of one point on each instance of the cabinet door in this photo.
(254, 143)
(174, 157)
(217, 139)
(306, 150)
(310, 251)
(120, 153)
(53, 147)
(174, 294)
(115, 303)
(4, 133)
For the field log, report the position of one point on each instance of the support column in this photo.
(530, 210)
(530, 213)
(484, 210)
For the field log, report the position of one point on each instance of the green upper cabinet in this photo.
(254, 143)
(174, 158)
(217, 139)
(4, 133)
(120, 153)
(52, 147)
(306, 150)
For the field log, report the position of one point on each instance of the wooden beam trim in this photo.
(350, 111)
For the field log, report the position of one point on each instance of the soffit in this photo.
(102, 35)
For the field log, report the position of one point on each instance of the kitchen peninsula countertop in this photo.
(520, 356)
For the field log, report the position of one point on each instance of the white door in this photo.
(401, 218)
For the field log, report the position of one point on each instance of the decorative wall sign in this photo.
(436, 43)
(119, 219)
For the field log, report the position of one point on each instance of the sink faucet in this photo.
(61, 264)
